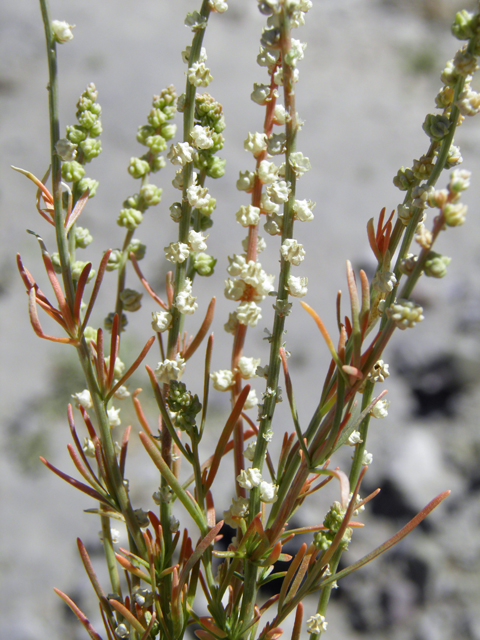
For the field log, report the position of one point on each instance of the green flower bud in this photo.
(114, 260)
(108, 322)
(76, 134)
(138, 167)
(77, 267)
(204, 264)
(168, 131)
(82, 237)
(137, 248)
(87, 119)
(156, 118)
(205, 222)
(455, 214)
(176, 211)
(143, 133)
(156, 143)
(72, 171)
(158, 163)
(216, 167)
(91, 148)
(436, 265)
(464, 25)
(129, 218)
(132, 202)
(436, 126)
(96, 129)
(322, 540)
(150, 194)
(131, 299)
(88, 183)
(404, 179)
(57, 266)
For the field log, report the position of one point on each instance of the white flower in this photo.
(170, 369)
(236, 264)
(234, 289)
(250, 451)
(177, 252)
(354, 439)
(278, 191)
(380, 409)
(316, 624)
(184, 301)
(267, 172)
(248, 215)
(161, 320)
(296, 52)
(202, 137)
(384, 281)
(218, 5)
(181, 153)
(66, 149)
(199, 75)
(114, 533)
(299, 163)
(256, 143)
(222, 380)
(367, 458)
(249, 478)
(83, 399)
(279, 114)
(260, 93)
(232, 323)
(261, 244)
(251, 400)
(292, 251)
(88, 448)
(122, 392)
(248, 313)
(238, 509)
(297, 287)
(118, 367)
(186, 54)
(267, 205)
(198, 196)
(113, 417)
(245, 181)
(268, 492)
(268, 435)
(62, 31)
(379, 372)
(247, 367)
(196, 241)
(303, 210)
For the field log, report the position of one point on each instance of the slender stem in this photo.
(62, 241)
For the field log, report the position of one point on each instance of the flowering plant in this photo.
(164, 567)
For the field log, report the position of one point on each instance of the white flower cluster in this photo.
(178, 252)
(170, 369)
(405, 313)
(184, 301)
(250, 478)
(316, 624)
(247, 277)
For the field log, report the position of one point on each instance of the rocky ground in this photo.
(370, 75)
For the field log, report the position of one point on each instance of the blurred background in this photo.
(370, 75)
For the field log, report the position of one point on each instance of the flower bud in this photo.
(131, 299)
(72, 171)
(62, 31)
(82, 237)
(436, 265)
(138, 167)
(204, 264)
